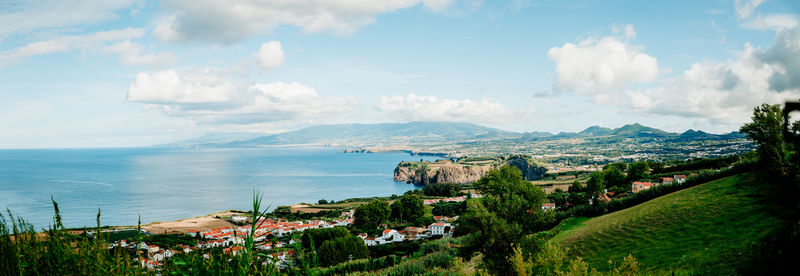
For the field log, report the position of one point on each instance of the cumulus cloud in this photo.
(168, 87)
(229, 21)
(269, 55)
(727, 91)
(784, 60)
(593, 65)
(207, 96)
(431, 108)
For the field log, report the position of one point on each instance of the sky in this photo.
(126, 73)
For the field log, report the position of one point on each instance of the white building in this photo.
(437, 228)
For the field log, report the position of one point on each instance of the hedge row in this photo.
(657, 191)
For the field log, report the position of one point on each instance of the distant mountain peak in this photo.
(596, 131)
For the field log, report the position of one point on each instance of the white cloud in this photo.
(784, 60)
(627, 30)
(432, 108)
(131, 54)
(592, 65)
(720, 93)
(750, 19)
(726, 92)
(772, 22)
(60, 44)
(26, 17)
(229, 21)
(269, 55)
(207, 96)
(168, 87)
(744, 8)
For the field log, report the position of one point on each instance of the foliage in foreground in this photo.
(509, 209)
(23, 251)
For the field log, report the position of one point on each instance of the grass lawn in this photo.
(710, 227)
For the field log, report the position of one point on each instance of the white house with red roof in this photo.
(437, 228)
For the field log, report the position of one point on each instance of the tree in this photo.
(448, 208)
(622, 166)
(423, 221)
(510, 208)
(766, 130)
(369, 216)
(576, 187)
(441, 189)
(638, 170)
(614, 177)
(342, 249)
(318, 236)
(408, 208)
(322, 201)
(595, 185)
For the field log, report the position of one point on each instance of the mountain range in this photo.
(429, 132)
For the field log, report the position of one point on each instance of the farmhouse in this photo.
(640, 186)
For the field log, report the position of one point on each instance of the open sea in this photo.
(164, 184)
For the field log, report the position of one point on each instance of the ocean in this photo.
(163, 184)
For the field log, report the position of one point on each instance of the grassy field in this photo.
(708, 228)
(561, 182)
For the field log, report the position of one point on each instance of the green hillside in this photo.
(708, 228)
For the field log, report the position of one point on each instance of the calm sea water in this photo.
(168, 184)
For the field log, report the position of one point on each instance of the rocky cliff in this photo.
(446, 171)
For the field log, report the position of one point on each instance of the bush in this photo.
(397, 248)
(699, 164)
(423, 221)
(319, 236)
(441, 189)
(341, 249)
(449, 208)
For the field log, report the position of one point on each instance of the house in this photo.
(238, 218)
(264, 246)
(391, 235)
(414, 232)
(185, 249)
(548, 206)
(232, 250)
(370, 241)
(640, 186)
(437, 228)
(667, 180)
(680, 178)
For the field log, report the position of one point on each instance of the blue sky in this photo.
(136, 73)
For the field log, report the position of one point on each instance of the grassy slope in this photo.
(709, 227)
